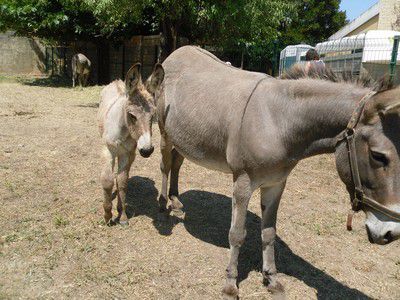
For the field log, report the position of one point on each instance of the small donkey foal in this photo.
(125, 119)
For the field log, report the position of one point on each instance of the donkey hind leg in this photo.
(165, 166)
(107, 182)
(177, 161)
(124, 163)
(270, 198)
(85, 79)
(242, 192)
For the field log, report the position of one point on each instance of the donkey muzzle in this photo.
(146, 152)
(144, 145)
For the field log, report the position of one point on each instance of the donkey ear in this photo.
(385, 102)
(156, 78)
(133, 77)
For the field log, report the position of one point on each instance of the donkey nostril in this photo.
(146, 152)
(388, 237)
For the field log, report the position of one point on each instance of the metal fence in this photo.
(352, 55)
(56, 60)
(109, 60)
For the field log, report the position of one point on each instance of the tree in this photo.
(250, 26)
(68, 20)
(315, 22)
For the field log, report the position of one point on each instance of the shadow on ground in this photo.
(51, 81)
(207, 217)
(142, 199)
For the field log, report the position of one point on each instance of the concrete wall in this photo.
(372, 24)
(20, 55)
(388, 14)
(109, 60)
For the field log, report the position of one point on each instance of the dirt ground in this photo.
(54, 243)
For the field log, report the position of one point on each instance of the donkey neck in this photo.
(318, 112)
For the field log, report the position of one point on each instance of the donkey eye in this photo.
(379, 158)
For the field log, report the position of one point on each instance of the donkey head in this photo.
(377, 145)
(140, 107)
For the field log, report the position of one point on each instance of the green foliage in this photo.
(246, 23)
(315, 22)
(66, 20)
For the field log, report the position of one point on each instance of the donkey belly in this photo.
(206, 160)
(202, 145)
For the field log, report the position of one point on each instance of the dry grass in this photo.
(54, 243)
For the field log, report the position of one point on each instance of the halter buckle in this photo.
(358, 199)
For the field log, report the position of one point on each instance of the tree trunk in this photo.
(103, 62)
(170, 38)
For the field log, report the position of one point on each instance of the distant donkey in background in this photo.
(125, 120)
(80, 69)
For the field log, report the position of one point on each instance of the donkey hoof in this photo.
(230, 292)
(124, 223)
(175, 203)
(177, 213)
(109, 221)
(274, 286)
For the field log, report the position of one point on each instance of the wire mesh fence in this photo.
(375, 52)
(56, 60)
(378, 56)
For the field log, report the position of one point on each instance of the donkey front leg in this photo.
(124, 163)
(241, 195)
(165, 166)
(107, 182)
(176, 164)
(270, 198)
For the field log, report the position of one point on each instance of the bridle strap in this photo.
(359, 198)
(356, 115)
(394, 215)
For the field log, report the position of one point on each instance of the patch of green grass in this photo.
(11, 187)
(8, 78)
(11, 238)
(87, 248)
(60, 221)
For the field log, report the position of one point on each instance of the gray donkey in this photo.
(258, 128)
(125, 120)
(80, 69)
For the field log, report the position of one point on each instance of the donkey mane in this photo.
(314, 71)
